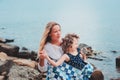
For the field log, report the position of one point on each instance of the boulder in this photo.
(10, 50)
(25, 62)
(118, 61)
(3, 56)
(86, 49)
(2, 77)
(33, 55)
(9, 70)
(24, 54)
(113, 51)
(81, 45)
(27, 54)
(5, 69)
(23, 73)
(6, 40)
(97, 75)
(2, 40)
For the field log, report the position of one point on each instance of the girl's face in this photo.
(75, 44)
(55, 33)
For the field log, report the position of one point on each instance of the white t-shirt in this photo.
(53, 51)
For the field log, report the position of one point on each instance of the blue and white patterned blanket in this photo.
(67, 72)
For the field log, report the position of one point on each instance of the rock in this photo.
(2, 77)
(2, 62)
(6, 40)
(97, 75)
(5, 69)
(10, 50)
(2, 40)
(118, 61)
(118, 69)
(114, 51)
(33, 55)
(86, 49)
(97, 52)
(24, 54)
(9, 40)
(23, 73)
(11, 71)
(25, 62)
(3, 56)
(2, 28)
(99, 59)
(24, 48)
(81, 45)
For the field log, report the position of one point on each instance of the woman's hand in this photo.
(41, 57)
(42, 54)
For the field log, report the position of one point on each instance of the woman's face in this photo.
(55, 33)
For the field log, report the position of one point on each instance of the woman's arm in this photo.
(42, 64)
(41, 58)
(60, 61)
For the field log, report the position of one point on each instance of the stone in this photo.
(97, 75)
(118, 61)
(10, 50)
(2, 40)
(5, 68)
(3, 56)
(25, 62)
(6, 40)
(23, 73)
(1, 77)
(24, 54)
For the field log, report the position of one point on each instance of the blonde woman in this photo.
(50, 42)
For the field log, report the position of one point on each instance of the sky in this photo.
(93, 20)
(104, 11)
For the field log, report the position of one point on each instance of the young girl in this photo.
(72, 55)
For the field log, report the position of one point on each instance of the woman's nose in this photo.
(59, 33)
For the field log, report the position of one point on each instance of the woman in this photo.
(51, 37)
(51, 43)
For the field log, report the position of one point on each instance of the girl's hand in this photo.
(45, 54)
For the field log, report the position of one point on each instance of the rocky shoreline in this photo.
(21, 64)
(10, 70)
(16, 63)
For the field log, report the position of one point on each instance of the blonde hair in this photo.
(68, 41)
(45, 37)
